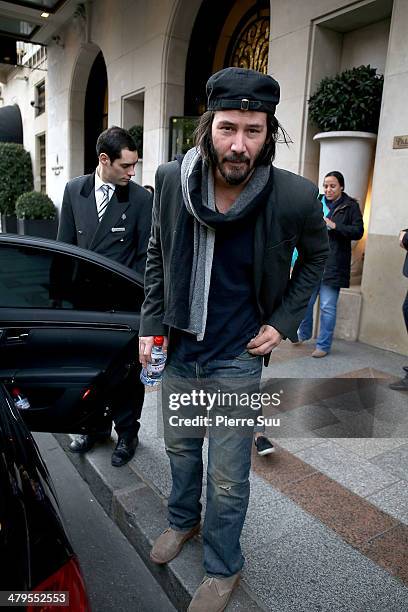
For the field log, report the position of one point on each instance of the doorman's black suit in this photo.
(130, 208)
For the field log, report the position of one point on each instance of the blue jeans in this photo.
(328, 307)
(229, 458)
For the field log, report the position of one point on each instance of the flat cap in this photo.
(242, 89)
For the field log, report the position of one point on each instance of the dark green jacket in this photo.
(292, 218)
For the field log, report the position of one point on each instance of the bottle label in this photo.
(156, 368)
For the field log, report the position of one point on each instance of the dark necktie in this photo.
(105, 201)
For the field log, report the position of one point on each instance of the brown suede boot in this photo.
(319, 353)
(213, 594)
(169, 543)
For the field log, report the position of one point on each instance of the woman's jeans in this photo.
(229, 455)
(328, 307)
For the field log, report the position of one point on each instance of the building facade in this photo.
(131, 62)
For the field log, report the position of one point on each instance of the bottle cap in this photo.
(158, 340)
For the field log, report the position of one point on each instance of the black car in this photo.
(35, 552)
(69, 322)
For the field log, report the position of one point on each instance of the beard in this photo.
(235, 174)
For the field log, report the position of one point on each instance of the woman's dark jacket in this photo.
(405, 245)
(349, 226)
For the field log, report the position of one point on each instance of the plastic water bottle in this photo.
(152, 375)
(20, 400)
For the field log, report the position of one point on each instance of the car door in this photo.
(69, 322)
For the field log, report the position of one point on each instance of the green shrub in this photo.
(136, 132)
(16, 175)
(350, 100)
(35, 205)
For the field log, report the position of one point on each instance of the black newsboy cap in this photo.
(242, 89)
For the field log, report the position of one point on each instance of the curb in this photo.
(140, 513)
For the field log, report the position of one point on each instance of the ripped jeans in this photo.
(229, 452)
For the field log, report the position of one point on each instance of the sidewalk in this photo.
(327, 524)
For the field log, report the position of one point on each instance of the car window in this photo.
(35, 278)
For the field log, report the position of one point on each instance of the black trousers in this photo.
(127, 403)
(405, 310)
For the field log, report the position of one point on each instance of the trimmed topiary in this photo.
(136, 132)
(16, 175)
(35, 205)
(349, 101)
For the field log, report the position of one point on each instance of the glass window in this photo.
(181, 135)
(17, 27)
(42, 163)
(35, 278)
(40, 99)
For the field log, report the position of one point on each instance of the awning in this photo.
(11, 126)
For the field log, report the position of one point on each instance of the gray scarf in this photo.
(205, 226)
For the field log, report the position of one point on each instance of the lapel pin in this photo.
(123, 216)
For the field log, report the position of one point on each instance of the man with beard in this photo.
(218, 286)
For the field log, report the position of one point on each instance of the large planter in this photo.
(138, 178)
(9, 224)
(42, 228)
(352, 154)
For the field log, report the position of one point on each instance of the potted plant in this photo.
(36, 215)
(346, 109)
(136, 131)
(16, 178)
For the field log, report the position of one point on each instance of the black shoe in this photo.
(400, 385)
(82, 444)
(263, 446)
(124, 451)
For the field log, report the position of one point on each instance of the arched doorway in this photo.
(79, 117)
(96, 111)
(228, 33)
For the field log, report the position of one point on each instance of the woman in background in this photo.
(344, 223)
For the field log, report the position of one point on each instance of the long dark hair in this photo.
(203, 139)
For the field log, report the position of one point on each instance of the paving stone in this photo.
(313, 571)
(353, 472)
(394, 461)
(281, 468)
(296, 444)
(151, 459)
(355, 519)
(270, 516)
(390, 550)
(393, 500)
(370, 448)
(96, 469)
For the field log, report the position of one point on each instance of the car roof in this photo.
(62, 247)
